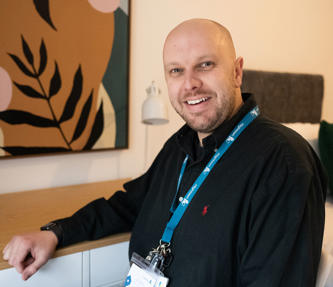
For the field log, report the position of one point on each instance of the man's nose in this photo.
(191, 82)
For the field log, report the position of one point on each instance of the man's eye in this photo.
(175, 70)
(206, 65)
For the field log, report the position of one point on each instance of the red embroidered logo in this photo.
(205, 210)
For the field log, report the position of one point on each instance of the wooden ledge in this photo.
(23, 212)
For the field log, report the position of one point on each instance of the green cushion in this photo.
(326, 149)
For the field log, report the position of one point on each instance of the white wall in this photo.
(285, 35)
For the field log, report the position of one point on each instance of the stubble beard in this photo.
(208, 121)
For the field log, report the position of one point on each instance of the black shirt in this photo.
(257, 220)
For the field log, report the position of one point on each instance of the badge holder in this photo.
(148, 272)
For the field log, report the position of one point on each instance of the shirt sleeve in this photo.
(285, 227)
(103, 217)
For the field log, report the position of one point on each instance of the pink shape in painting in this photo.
(105, 6)
(5, 89)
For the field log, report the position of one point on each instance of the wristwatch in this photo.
(55, 228)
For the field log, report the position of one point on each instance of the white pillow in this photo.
(324, 275)
(308, 131)
(328, 231)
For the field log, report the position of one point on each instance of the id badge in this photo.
(142, 275)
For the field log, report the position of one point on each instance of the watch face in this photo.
(48, 226)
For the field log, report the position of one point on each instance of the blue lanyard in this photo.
(180, 210)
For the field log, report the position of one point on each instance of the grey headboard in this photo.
(286, 97)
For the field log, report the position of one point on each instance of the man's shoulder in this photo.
(273, 138)
(277, 134)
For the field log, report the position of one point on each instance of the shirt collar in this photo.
(188, 138)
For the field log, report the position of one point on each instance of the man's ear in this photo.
(239, 71)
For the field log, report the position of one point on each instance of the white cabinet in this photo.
(109, 265)
(58, 272)
(101, 267)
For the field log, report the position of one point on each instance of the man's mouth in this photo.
(197, 101)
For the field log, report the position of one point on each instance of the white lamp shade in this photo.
(154, 111)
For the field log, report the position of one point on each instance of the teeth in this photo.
(194, 102)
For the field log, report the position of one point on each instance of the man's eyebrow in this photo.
(206, 57)
(172, 64)
(199, 59)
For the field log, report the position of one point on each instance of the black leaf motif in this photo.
(20, 64)
(43, 58)
(21, 150)
(73, 97)
(83, 118)
(43, 9)
(27, 51)
(15, 117)
(97, 129)
(28, 91)
(55, 83)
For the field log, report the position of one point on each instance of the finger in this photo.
(5, 249)
(18, 256)
(6, 252)
(28, 261)
(32, 269)
(26, 273)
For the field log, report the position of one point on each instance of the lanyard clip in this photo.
(157, 257)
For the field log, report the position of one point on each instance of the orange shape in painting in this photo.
(83, 40)
(105, 6)
(5, 89)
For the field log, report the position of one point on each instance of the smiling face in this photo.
(202, 74)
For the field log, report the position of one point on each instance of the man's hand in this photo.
(28, 252)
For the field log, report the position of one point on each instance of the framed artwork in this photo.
(64, 72)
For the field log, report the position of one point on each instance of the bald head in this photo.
(211, 29)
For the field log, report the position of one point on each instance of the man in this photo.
(256, 219)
